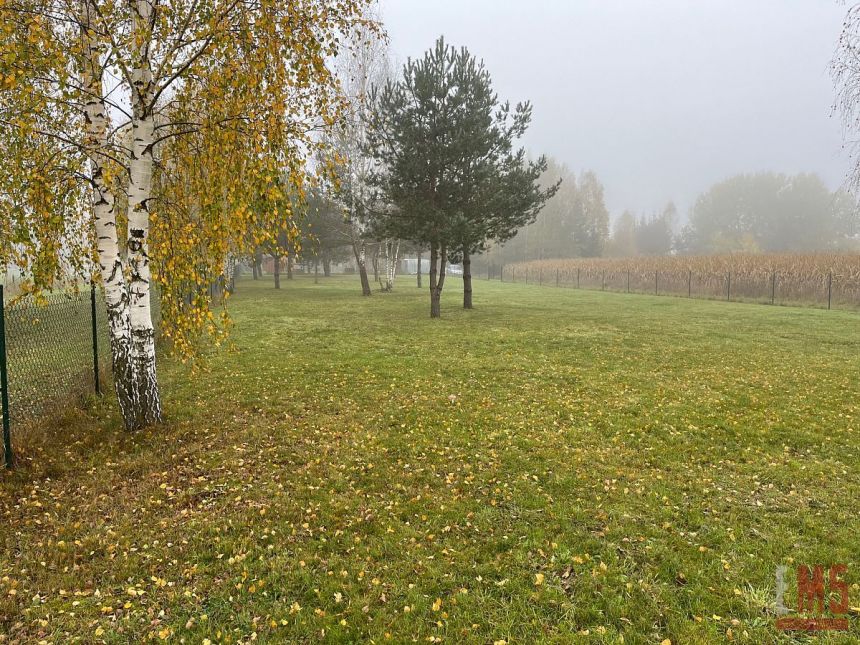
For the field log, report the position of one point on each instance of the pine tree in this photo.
(445, 165)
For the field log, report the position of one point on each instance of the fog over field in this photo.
(465, 322)
(661, 99)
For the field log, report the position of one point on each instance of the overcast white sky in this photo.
(661, 98)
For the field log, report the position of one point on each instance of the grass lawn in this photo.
(554, 466)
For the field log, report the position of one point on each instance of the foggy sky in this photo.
(660, 98)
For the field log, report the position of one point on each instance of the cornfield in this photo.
(823, 280)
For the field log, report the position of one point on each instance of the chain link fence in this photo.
(53, 348)
(829, 291)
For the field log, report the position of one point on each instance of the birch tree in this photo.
(845, 72)
(122, 98)
(390, 248)
(365, 65)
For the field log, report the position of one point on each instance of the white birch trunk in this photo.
(359, 249)
(229, 273)
(395, 262)
(392, 252)
(362, 255)
(382, 276)
(148, 408)
(104, 217)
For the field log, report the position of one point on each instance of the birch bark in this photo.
(104, 215)
(148, 408)
(391, 252)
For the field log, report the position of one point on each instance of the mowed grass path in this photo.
(554, 466)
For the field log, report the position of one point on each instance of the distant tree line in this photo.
(574, 223)
(770, 212)
(645, 235)
(762, 212)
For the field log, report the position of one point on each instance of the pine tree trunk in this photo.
(326, 267)
(419, 269)
(438, 256)
(148, 403)
(277, 272)
(254, 269)
(289, 266)
(435, 305)
(467, 281)
(443, 269)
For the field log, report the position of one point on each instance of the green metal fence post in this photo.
(4, 386)
(829, 288)
(96, 380)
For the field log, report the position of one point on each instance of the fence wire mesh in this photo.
(55, 350)
(829, 291)
(49, 348)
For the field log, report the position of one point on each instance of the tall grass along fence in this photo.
(828, 281)
(53, 349)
